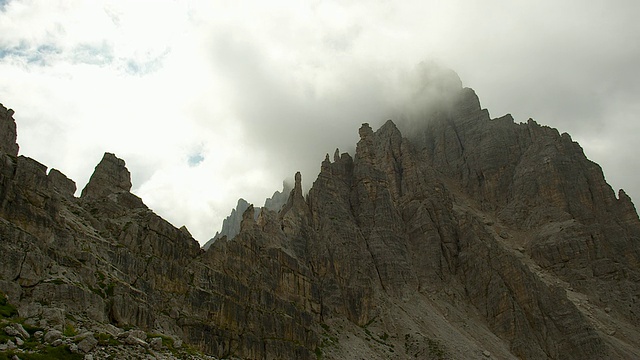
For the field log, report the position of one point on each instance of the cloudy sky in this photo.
(211, 101)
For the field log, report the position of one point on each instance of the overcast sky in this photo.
(209, 103)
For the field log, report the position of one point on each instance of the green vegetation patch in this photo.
(69, 330)
(106, 339)
(48, 353)
(7, 310)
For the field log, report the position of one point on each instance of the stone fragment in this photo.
(156, 343)
(10, 345)
(132, 340)
(10, 330)
(138, 334)
(87, 344)
(52, 335)
(20, 330)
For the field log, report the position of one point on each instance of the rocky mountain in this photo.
(468, 237)
(231, 224)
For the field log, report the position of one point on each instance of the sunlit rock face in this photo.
(451, 235)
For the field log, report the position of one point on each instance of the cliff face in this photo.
(470, 237)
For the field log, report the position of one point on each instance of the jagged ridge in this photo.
(471, 237)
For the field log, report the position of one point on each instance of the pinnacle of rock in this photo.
(110, 176)
(365, 131)
(8, 132)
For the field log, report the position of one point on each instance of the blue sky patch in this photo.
(195, 159)
(32, 55)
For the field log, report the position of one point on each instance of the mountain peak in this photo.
(110, 176)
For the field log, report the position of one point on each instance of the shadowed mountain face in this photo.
(465, 238)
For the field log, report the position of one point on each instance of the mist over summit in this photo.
(443, 234)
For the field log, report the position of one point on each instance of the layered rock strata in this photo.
(468, 238)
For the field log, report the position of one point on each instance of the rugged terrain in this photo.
(231, 224)
(468, 238)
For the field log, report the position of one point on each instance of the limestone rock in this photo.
(156, 343)
(279, 198)
(459, 235)
(87, 344)
(16, 329)
(110, 176)
(10, 345)
(8, 133)
(231, 225)
(52, 335)
(61, 183)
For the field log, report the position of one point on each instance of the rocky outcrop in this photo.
(110, 177)
(8, 133)
(231, 224)
(470, 237)
(279, 198)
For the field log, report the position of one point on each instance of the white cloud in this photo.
(208, 102)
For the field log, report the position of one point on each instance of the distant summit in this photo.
(231, 224)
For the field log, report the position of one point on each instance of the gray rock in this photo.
(132, 340)
(19, 341)
(10, 345)
(52, 335)
(156, 343)
(8, 132)
(138, 334)
(87, 344)
(404, 218)
(10, 330)
(38, 334)
(21, 331)
(110, 176)
(82, 336)
(61, 183)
